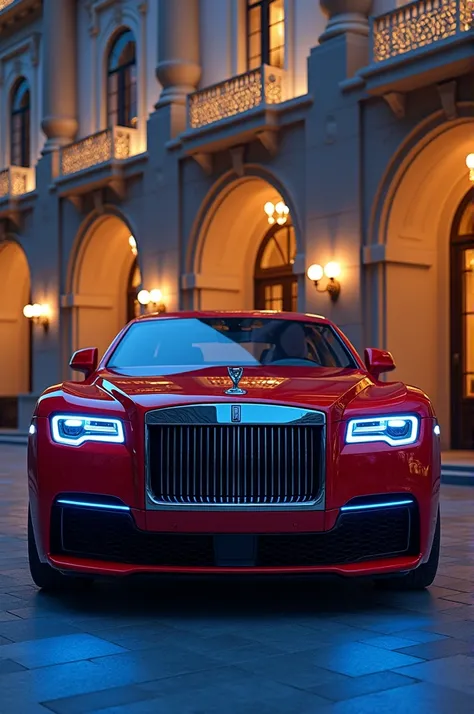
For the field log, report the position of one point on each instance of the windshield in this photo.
(231, 341)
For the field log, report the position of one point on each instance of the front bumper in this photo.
(360, 542)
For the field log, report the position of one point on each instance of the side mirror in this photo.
(378, 361)
(85, 360)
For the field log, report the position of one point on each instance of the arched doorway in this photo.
(222, 260)
(276, 286)
(104, 276)
(408, 286)
(462, 325)
(15, 331)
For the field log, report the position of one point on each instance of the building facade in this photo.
(174, 154)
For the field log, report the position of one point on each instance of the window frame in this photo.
(21, 89)
(265, 32)
(126, 91)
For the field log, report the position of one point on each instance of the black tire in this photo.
(43, 575)
(423, 576)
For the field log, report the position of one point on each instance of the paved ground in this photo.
(215, 648)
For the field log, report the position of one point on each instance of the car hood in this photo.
(338, 392)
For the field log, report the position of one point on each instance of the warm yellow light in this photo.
(315, 272)
(155, 296)
(133, 245)
(332, 269)
(269, 208)
(470, 166)
(28, 311)
(36, 310)
(143, 297)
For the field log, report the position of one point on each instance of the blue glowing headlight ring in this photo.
(100, 430)
(381, 433)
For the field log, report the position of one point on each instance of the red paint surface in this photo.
(119, 469)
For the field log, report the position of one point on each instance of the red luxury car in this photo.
(233, 442)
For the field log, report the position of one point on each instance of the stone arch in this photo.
(15, 330)
(98, 280)
(226, 237)
(408, 274)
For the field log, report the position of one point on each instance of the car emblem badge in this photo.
(236, 413)
(235, 373)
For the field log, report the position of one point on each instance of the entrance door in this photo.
(276, 286)
(462, 327)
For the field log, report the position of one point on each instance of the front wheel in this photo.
(42, 574)
(423, 576)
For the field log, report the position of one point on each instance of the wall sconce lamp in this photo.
(332, 271)
(470, 166)
(280, 209)
(153, 299)
(39, 314)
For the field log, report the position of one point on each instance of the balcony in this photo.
(97, 160)
(16, 181)
(259, 87)
(17, 186)
(249, 107)
(420, 43)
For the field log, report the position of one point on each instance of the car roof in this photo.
(235, 313)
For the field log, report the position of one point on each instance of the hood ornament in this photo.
(235, 373)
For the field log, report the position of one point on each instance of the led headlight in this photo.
(75, 430)
(393, 430)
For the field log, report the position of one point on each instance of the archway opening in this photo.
(105, 279)
(15, 331)
(419, 210)
(243, 246)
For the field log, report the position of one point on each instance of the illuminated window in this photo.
(265, 33)
(20, 125)
(122, 82)
(276, 286)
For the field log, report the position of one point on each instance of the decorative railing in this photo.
(258, 87)
(16, 180)
(419, 24)
(115, 143)
(5, 3)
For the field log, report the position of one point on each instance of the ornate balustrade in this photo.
(419, 24)
(258, 87)
(115, 143)
(16, 181)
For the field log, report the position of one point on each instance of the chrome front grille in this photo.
(224, 464)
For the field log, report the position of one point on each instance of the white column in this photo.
(178, 69)
(59, 122)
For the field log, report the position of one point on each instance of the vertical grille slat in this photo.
(215, 464)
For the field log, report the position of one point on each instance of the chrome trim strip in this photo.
(250, 414)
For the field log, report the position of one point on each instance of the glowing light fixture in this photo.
(470, 166)
(133, 245)
(276, 213)
(152, 298)
(331, 270)
(39, 314)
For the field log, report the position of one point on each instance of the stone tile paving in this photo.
(220, 647)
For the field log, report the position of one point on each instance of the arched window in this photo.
(122, 81)
(276, 286)
(265, 33)
(134, 281)
(20, 125)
